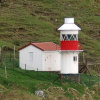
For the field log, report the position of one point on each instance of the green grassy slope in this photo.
(24, 21)
(27, 82)
(19, 84)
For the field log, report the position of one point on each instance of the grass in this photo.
(25, 21)
(27, 82)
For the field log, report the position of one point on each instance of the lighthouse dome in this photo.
(69, 25)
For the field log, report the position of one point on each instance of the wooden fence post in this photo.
(83, 58)
(37, 72)
(79, 78)
(25, 67)
(5, 72)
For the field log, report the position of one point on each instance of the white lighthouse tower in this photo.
(69, 47)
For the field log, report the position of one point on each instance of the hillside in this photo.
(24, 21)
(21, 85)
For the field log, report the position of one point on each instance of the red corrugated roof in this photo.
(45, 46)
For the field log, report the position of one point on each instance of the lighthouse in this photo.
(69, 47)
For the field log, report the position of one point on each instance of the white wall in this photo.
(68, 65)
(51, 61)
(32, 57)
(67, 32)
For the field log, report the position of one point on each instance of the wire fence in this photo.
(10, 59)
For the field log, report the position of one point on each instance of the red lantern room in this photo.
(69, 35)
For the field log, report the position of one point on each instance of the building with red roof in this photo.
(43, 56)
(48, 56)
(44, 46)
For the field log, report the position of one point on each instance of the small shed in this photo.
(42, 56)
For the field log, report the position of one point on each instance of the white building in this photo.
(69, 47)
(42, 56)
(47, 56)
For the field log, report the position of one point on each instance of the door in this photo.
(48, 62)
(31, 59)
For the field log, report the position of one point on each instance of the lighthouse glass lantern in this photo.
(69, 47)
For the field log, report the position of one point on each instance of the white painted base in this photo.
(68, 63)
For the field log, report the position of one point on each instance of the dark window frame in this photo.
(75, 58)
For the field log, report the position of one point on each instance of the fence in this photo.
(9, 59)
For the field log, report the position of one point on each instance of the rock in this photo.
(86, 97)
(62, 98)
(40, 93)
(73, 91)
(55, 91)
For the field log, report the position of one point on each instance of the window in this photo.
(70, 37)
(75, 58)
(31, 56)
(75, 36)
(63, 37)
